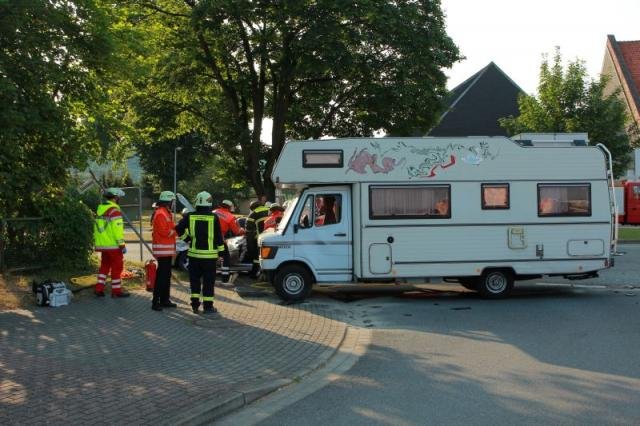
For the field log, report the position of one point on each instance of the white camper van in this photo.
(483, 211)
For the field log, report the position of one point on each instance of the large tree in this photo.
(315, 67)
(568, 101)
(56, 59)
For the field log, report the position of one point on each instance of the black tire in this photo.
(292, 283)
(469, 283)
(495, 283)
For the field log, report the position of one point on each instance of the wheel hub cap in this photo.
(293, 284)
(496, 283)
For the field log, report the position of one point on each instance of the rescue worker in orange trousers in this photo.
(203, 228)
(276, 211)
(255, 226)
(164, 235)
(229, 228)
(108, 235)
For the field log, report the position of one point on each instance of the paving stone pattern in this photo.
(110, 361)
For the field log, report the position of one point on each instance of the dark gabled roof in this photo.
(626, 58)
(475, 105)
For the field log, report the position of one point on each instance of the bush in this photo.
(69, 231)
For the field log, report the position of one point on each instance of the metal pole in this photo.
(175, 178)
(175, 175)
(140, 216)
(2, 244)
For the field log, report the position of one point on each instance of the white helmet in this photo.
(227, 203)
(204, 199)
(113, 192)
(167, 196)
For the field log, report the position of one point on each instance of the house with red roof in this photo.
(622, 64)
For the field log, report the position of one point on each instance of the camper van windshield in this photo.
(288, 211)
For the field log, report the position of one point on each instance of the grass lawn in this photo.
(626, 234)
(15, 288)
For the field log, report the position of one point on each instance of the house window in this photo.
(410, 202)
(322, 158)
(495, 196)
(564, 199)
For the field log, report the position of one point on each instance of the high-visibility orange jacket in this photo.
(163, 233)
(228, 224)
(273, 220)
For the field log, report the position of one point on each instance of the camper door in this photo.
(322, 236)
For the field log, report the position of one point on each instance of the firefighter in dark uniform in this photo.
(255, 226)
(203, 228)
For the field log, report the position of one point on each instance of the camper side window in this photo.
(410, 202)
(564, 199)
(495, 196)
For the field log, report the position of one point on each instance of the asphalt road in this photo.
(550, 354)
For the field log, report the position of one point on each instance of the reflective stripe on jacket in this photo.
(203, 227)
(255, 220)
(108, 228)
(163, 233)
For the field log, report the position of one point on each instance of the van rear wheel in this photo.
(292, 283)
(495, 283)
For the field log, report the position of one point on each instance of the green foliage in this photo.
(216, 180)
(69, 231)
(158, 158)
(56, 63)
(316, 68)
(568, 102)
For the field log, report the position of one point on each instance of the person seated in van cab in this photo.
(327, 213)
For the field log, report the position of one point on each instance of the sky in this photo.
(514, 34)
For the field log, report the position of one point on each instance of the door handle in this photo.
(340, 234)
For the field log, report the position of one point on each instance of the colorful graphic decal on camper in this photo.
(362, 159)
(433, 159)
(439, 158)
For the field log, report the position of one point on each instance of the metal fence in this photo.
(23, 243)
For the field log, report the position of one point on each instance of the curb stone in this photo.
(354, 346)
(221, 405)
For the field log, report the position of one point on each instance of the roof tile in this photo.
(631, 53)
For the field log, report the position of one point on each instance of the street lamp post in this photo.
(175, 173)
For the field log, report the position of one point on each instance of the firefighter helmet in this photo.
(113, 192)
(167, 196)
(227, 203)
(204, 199)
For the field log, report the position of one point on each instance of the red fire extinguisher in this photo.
(150, 274)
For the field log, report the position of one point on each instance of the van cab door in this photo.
(322, 233)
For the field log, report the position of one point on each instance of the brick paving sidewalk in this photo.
(104, 361)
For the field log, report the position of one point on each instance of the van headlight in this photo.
(267, 252)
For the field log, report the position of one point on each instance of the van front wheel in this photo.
(292, 283)
(495, 283)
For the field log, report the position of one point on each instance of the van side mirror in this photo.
(295, 228)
